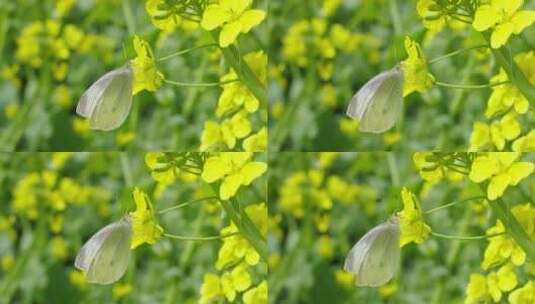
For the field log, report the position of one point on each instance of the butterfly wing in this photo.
(111, 260)
(89, 100)
(385, 105)
(88, 252)
(381, 261)
(361, 100)
(116, 101)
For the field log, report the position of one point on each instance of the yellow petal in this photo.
(519, 171)
(215, 168)
(497, 185)
(522, 19)
(252, 170)
(229, 33)
(250, 19)
(230, 186)
(237, 6)
(214, 16)
(501, 34)
(483, 168)
(485, 18)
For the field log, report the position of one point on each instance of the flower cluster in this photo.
(235, 17)
(506, 107)
(234, 106)
(145, 228)
(412, 225)
(502, 260)
(417, 78)
(235, 262)
(233, 169)
(501, 170)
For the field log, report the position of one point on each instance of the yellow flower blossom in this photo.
(501, 169)
(145, 229)
(503, 248)
(7, 262)
(164, 17)
(233, 16)
(234, 169)
(235, 94)
(59, 248)
(146, 74)
(504, 18)
(417, 77)
(211, 288)
(256, 142)
(161, 171)
(412, 225)
(237, 248)
(504, 280)
(257, 295)
(122, 290)
(325, 246)
(77, 278)
(525, 143)
(477, 289)
(235, 281)
(507, 96)
(524, 295)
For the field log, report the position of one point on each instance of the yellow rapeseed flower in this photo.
(145, 228)
(257, 295)
(146, 74)
(210, 289)
(235, 281)
(504, 18)
(234, 169)
(417, 77)
(523, 295)
(412, 225)
(233, 16)
(256, 142)
(501, 169)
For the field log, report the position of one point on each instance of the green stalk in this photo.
(244, 72)
(514, 228)
(505, 59)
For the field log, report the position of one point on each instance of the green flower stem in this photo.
(455, 53)
(182, 52)
(182, 205)
(505, 59)
(454, 203)
(464, 238)
(199, 238)
(469, 86)
(129, 17)
(514, 228)
(244, 72)
(200, 84)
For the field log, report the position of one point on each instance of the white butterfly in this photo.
(378, 104)
(104, 258)
(107, 102)
(375, 258)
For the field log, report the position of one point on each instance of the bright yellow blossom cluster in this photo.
(146, 74)
(509, 103)
(233, 169)
(501, 170)
(503, 254)
(503, 18)
(233, 16)
(236, 257)
(412, 225)
(235, 103)
(145, 228)
(417, 77)
(434, 16)
(163, 16)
